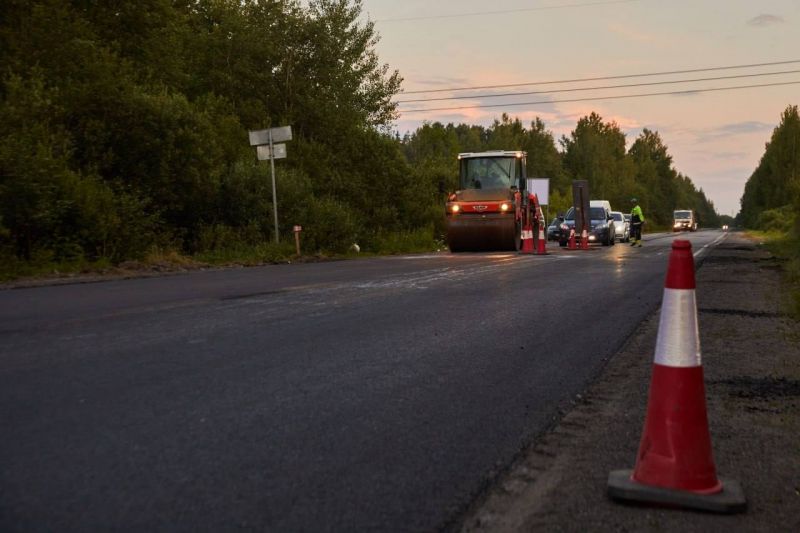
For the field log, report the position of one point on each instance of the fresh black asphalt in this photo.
(374, 394)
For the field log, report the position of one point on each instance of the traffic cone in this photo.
(674, 465)
(541, 246)
(527, 239)
(584, 239)
(571, 244)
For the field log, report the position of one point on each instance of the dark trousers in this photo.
(636, 231)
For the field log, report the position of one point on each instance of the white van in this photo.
(601, 203)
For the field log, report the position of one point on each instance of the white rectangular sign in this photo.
(281, 134)
(541, 187)
(279, 150)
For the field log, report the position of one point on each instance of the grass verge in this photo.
(160, 259)
(786, 247)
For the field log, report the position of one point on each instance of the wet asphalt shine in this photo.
(374, 394)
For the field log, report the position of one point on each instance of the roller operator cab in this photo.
(483, 214)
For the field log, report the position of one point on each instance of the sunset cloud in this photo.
(765, 20)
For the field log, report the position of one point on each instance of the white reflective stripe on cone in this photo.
(678, 342)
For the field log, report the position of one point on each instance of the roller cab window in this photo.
(490, 173)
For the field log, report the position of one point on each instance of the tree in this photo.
(775, 183)
(595, 151)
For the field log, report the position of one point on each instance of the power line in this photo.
(505, 11)
(601, 78)
(576, 89)
(596, 98)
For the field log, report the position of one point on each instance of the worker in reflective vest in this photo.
(637, 219)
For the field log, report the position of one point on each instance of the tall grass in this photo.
(786, 247)
(416, 241)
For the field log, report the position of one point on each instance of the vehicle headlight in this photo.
(564, 227)
(455, 208)
(601, 226)
(504, 207)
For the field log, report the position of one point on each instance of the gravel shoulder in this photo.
(751, 362)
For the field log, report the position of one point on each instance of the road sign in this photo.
(278, 152)
(542, 189)
(281, 134)
(298, 228)
(266, 149)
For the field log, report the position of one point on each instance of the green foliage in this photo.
(776, 181)
(781, 219)
(123, 127)
(335, 226)
(771, 200)
(405, 242)
(595, 151)
(123, 130)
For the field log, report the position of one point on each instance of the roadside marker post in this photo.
(297, 230)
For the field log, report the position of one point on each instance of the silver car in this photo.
(622, 227)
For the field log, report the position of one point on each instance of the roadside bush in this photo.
(333, 227)
(781, 219)
(221, 237)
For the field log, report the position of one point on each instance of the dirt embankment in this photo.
(751, 361)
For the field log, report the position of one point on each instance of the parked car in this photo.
(622, 228)
(554, 229)
(601, 226)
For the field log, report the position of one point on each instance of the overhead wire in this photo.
(602, 78)
(597, 98)
(576, 89)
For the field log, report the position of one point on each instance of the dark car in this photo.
(601, 226)
(554, 230)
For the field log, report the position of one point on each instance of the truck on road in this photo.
(684, 220)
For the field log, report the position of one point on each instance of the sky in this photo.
(716, 138)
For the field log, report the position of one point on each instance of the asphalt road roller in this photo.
(484, 213)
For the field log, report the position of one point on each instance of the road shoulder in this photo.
(751, 361)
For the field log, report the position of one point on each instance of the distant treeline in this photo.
(123, 127)
(771, 199)
(594, 151)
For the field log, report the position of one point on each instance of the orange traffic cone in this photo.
(584, 239)
(527, 239)
(675, 464)
(571, 244)
(541, 246)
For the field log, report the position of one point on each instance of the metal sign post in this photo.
(264, 141)
(580, 200)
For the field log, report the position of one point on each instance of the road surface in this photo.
(376, 394)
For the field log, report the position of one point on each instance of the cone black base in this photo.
(730, 500)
